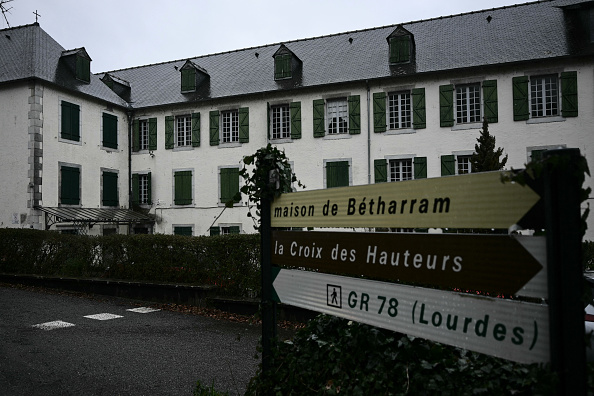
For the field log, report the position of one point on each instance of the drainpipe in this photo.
(368, 135)
(130, 118)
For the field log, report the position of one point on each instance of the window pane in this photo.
(399, 110)
(544, 96)
(143, 189)
(280, 122)
(401, 170)
(468, 103)
(230, 127)
(337, 116)
(143, 131)
(183, 126)
(464, 164)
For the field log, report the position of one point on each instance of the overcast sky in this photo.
(120, 34)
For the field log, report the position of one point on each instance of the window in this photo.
(337, 116)
(400, 49)
(464, 164)
(462, 104)
(225, 230)
(542, 96)
(144, 134)
(230, 127)
(110, 189)
(69, 185)
(337, 174)
(180, 131)
(110, 131)
(282, 66)
(182, 187)
(280, 122)
(468, 104)
(183, 131)
(188, 79)
(83, 68)
(141, 188)
(182, 230)
(400, 169)
(399, 110)
(229, 185)
(70, 122)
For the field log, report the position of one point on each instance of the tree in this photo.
(485, 157)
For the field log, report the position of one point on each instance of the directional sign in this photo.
(488, 263)
(478, 200)
(508, 329)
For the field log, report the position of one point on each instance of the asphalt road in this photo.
(53, 344)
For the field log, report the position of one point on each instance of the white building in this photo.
(383, 104)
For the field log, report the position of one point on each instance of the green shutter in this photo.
(419, 112)
(490, 101)
(536, 155)
(215, 231)
(295, 109)
(569, 94)
(152, 134)
(448, 165)
(381, 170)
(214, 127)
(183, 187)
(399, 49)
(135, 189)
(136, 135)
(169, 132)
(234, 230)
(195, 129)
(244, 125)
(110, 131)
(188, 79)
(337, 174)
(282, 66)
(319, 129)
(229, 184)
(446, 105)
(420, 167)
(379, 112)
(354, 114)
(520, 95)
(149, 189)
(70, 121)
(182, 231)
(83, 69)
(70, 185)
(110, 189)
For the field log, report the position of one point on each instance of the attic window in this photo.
(188, 79)
(400, 49)
(83, 68)
(282, 66)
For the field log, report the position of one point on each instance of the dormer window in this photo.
(119, 86)
(401, 46)
(79, 62)
(192, 76)
(286, 64)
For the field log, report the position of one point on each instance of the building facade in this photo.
(407, 101)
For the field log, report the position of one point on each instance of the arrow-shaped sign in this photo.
(508, 329)
(489, 263)
(479, 200)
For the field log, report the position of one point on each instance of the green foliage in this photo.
(335, 356)
(202, 390)
(231, 262)
(588, 255)
(271, 176)
(485, 157)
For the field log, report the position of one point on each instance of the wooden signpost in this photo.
(439, 270)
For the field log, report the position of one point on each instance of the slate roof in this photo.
(28, 52)
(506, 35)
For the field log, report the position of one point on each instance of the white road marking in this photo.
(103, 316)
(56, 324)
(143, 310)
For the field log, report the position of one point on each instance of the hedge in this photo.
(231, 262)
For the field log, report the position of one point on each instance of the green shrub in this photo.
(231, 262)
(588, 255)
(336, 356)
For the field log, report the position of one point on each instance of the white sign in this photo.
(513, 330)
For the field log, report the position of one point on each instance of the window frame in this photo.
(400, 161)
(468, 104)
(229, 126)
(143, 134)
(405, 113)
(539, 84)
(183, 136)
(340, 108)
(285, 121)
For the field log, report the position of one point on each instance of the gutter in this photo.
(368, 134)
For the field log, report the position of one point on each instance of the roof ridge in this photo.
(19, 27)
(330, 35)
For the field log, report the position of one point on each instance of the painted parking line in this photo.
(56, 324)
(143, 310)
(103, 316)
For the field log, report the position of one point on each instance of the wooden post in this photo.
(565, 272)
